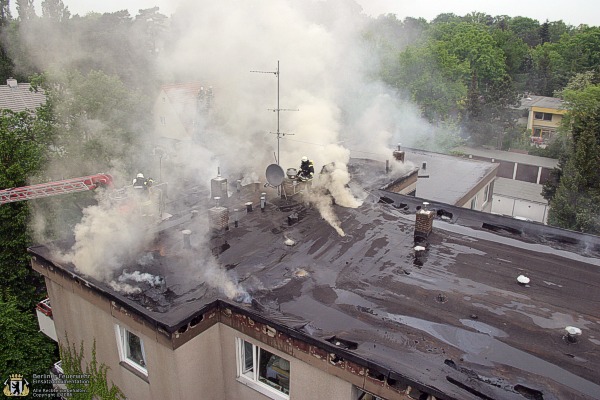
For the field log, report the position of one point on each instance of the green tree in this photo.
(23, 348)
(55, 10)
(23, 149)
(527, 29)
(26, 10)
(73, 363)
(576, 202)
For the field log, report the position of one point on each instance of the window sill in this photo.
(134, 371)
(267, 391)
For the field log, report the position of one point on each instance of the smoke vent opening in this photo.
(529, 393)
(196, 320)
(445, 215)
(500, 228)
(376, 375)
(334, 359)
(343, 343)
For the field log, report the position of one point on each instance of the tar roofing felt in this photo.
(447, 178)
(456, 311)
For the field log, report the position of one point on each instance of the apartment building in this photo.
(273, 302)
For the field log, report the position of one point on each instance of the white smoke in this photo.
(109, 237)
(140, 277)
(325, 73)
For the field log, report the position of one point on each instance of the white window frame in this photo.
(253, 382)
(473, 205)
(122, 344)
(486, 194)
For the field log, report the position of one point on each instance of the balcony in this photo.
(45, 320)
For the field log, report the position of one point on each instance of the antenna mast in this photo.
(278, 109)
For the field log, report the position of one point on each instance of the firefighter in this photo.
(142, 183)
(307, 170)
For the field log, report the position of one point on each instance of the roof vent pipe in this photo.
(424, 165)
(263, 201)
(187, 244)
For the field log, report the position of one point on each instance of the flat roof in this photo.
(500, 155)
(458, 310)
(519, 190)
(449, 178)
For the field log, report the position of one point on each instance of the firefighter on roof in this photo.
(142, 183)
(307, 170)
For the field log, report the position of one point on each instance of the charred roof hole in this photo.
(183, 329)
(451, 364)
(397, 383)
(498, 228)
(342, 343)
(402, 206)
(529, 393)
(378, 376)
(441, 298)
(445, 215)
(418, 394)
(386, 200)
(468, 388)
(196, 320)
(335, 359)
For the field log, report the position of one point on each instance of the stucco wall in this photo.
(306, 382)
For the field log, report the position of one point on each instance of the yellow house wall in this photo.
(173, 128)
(554, 123)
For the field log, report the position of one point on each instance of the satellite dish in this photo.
(274, 175)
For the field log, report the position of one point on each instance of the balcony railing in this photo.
(45, 320)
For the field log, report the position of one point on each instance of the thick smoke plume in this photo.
(108, 238)
(326, 74)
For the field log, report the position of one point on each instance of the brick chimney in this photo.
(399, 154)
(424, 222)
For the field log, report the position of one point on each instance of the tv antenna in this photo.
(278, 109)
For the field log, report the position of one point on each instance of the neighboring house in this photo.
(342, 317)
(519, 183)
(180, 111)
(544, 115)
(452, 180)
(18, 97)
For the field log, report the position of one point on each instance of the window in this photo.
(362, 395)
(474, 203)
(131, 349)
(542, 116)
(262, 370)
(486, 194)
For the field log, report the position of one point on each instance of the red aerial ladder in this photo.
(55, 188)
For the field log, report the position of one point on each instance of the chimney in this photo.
(424, 165)
(399, 154)
(12, 83)
(423, 222)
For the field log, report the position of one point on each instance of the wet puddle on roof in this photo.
(555, 320)
(485, 349)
